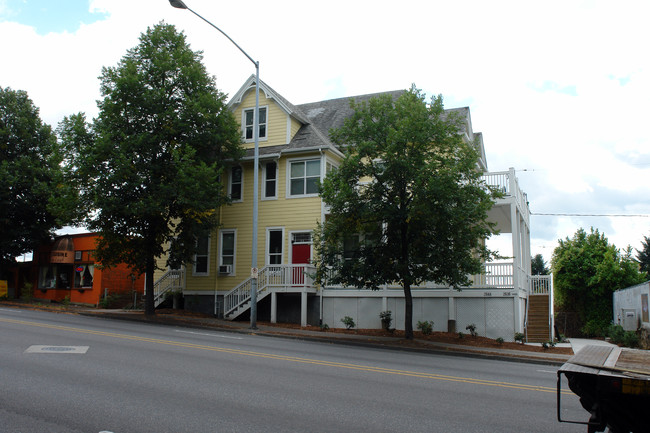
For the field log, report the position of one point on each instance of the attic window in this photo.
(248, 122)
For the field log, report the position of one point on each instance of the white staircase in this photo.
(272, 278)
(172, 280)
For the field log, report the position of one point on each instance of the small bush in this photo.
(461, 335)
(595, 328)
(66, 301)
(386, 320)
(620, 336)
(426, 327)
(472, 329)
(630, 339)
(548, 344)
(499, 340)
(520, 337)
(27, 293)
(348, 322)
(324, 327)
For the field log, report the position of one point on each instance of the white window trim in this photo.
(207, 272)
(268, 245)
(230, 183)
(288, 176)
(220, 252)
(243, 124)
(277, 180)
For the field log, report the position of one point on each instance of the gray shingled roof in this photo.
(324, 116)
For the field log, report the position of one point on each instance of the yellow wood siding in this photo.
(276, 129)
(293, 214)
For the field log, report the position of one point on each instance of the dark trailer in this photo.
(613, 384)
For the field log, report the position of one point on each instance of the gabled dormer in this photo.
(279, 119)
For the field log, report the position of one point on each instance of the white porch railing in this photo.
(270, 278)
(541, 284)
(508, 184)
(496, 276)
(171, 280)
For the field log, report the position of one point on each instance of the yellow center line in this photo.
(367, 368)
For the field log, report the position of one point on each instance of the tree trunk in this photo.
(408, 312)
(149, 307)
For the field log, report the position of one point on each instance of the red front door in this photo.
(300, 254)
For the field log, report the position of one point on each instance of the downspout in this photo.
(323, 164)
(216, 277)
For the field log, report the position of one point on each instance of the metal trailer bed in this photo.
(613, 384)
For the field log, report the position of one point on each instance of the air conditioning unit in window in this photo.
(225, 269)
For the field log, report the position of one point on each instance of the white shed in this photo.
(631, 307)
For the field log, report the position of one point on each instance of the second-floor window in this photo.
(304, 177)
(249, 122)
(235, 183)
(270, 180)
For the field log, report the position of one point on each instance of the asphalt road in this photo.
(68, 373)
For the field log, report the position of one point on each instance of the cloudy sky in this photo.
(559, 89)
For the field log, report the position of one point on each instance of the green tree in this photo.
(643, 256)
(407, 202)
(148, 169)
(538, 265)
(587, 270)
(30, 176)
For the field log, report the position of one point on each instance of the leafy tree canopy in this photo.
(30, 176)
(587, 270)
(147, 170)
(643, 256)
(538, 265)
(407, 204)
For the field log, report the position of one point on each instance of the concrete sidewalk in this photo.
(386, 342)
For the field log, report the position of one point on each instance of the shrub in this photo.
(499, 340)
(595, 328)
(348, 322)
(461, 335)
(630, 339)
(426, 327)
(386, 320)
(324, 327)
(472, 329)
(27, 293)
(520, 337)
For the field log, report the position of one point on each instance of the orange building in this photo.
(66, 269)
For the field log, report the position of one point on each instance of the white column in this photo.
(303, 309)
(274, 307)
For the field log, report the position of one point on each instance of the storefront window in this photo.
(83, 276)
(47, 277)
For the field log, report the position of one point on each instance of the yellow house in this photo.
(295, 152)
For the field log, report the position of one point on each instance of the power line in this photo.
(594, 215)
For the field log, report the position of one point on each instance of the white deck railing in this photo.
(508, 184)
(271, 277)
(496, 276)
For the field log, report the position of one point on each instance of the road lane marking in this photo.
(57, 349)
(318, 362)
(209, 335)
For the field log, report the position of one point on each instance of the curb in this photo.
(462, 351)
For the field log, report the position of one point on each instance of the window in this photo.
(274, 246)
(83, 276)
(227, 250)
(236, 183)
(270, 180)
(202, 255)
(304, 177)
(249, 123)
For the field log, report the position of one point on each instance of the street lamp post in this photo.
(256, 137)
